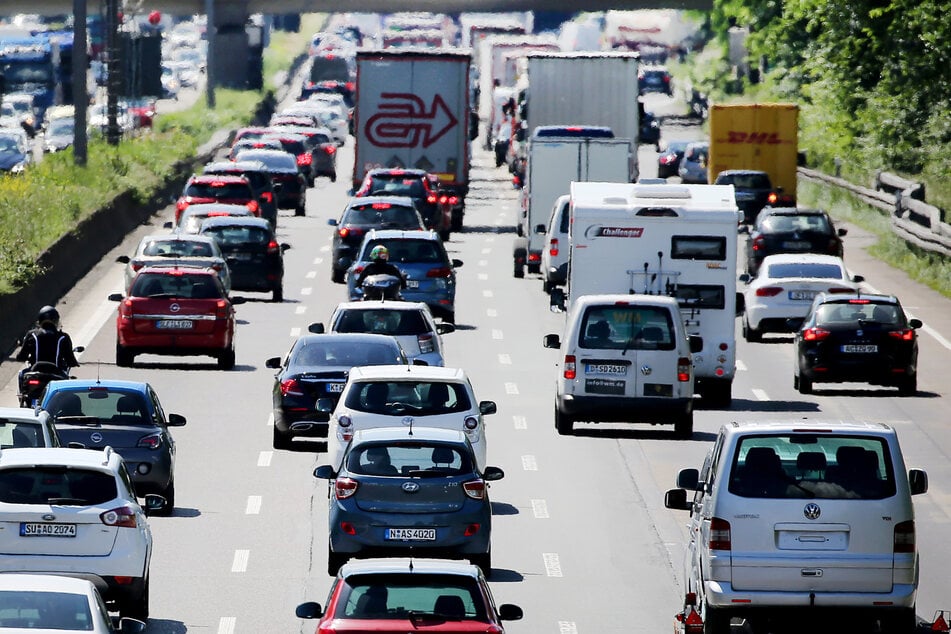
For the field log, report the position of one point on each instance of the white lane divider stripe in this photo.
(487, 250)
(85, 335)
(270, 419)
(307, 290)
(226, 625)
(552, 564)
(483, 262)
(540, 509)
(326, 247)
(483, 276)
(740, 366)
(311, 275)
(318, 260)
(264, 458)
(567, 627)
(505, 359)
(254, 505)
(520, 422)
(295, 331)
(529, 463)
(300, 310)
(511, 388)
(491, 312)
(760, 395)
(240, 563)
(487, 293)
(497, 334)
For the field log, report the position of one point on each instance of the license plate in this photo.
(861, 349)
(335, 388)
(809, 295)
(794, 244)
(411, 534)
(242, 257)
(605, 368)
(175, 324)
(412, 283)
(35, 529)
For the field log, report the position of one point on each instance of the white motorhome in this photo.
(656, 239)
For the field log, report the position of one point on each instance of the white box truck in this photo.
(412, 111)
(589, 154)
(655, 239)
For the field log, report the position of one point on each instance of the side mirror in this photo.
(551, 341)
(510, 612)
(740, 304)
(325, 472)
(915, 324)
(540, 229)
(130, 626)
(317, 328)
(743, 229)
(492, 474)
(155, 503)
(746, 278)
(487, 407)
(325, 405)
(332, 222)
(443, 328)
(696, 343)
(235, 301)
(456, 263)
(309, 610)
(167, 225)
(917, 481)
(176, 420)
(677, 499)
(115, 297)
(688, 479)
(285, 246)
(123, 259)
(858, 278)
(273, 363)
(841, 232)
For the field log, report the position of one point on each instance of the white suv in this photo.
(393, 395)
(73, 512)
(791, 519)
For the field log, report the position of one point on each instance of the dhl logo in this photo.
(754, 138)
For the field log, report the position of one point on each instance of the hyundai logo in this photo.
(812, 511)
(410, 487)
(174, 308)
(646, 370)
(95, 437)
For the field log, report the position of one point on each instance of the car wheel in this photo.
(716, 621)
(444, 235)
(683, 426)
(519, 255)
(563, 423)
(908, 385)
(795, 382)
(333, 177)
(336, 276)
(805, 385)
(449, 317)
(280, 440)
(534, 268)
(456, 223)
(749, 333)
(901, 621)
(334, 562)
(226, 359)
(300, 211)
(124, 358)
(137, 607)
(169, 495)
(484, 562)
(277, 294)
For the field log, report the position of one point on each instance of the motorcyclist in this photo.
(47, 343)
(380, 266)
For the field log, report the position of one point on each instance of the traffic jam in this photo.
(527, 371)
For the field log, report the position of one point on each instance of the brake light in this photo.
(273, 248)
(304, 159)
(475, 489)
(471, 529)
(772, 198)
(122, 517)
(291, 387)
(667, 159)
(152, 441)
(758, 243)
(33, 382)
(553, 247)
(683, 369)
(569, 369)
(442, 271)
(858, 301)
(344, 488)
(253, 206)
(769, 291)
(380, 206)
(905, 537)
(125, 309)
(431, 198)
(815, 334)
(350, 85)
(330, 149)
(136, 265)
(425, 343)
(904, 334)
(534, 257)
(720, 535)
(222, 309)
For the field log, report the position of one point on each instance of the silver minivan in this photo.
(626, 358)
(554, 267)
(801, 520)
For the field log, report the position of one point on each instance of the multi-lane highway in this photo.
(582, 541)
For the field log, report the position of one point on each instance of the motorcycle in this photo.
(34, 379)
(381, 286)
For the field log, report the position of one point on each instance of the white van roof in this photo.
(636, 195)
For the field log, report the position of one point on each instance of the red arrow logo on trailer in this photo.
(403, 121)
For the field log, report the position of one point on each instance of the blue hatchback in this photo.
(421, 256)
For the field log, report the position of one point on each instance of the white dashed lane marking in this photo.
(483, 263)
(520, 422)
(529, 463)
(505, 359)
(295, 332)
(270, 420)
(254, 505)
(552, 564)
(300, 310)
(567, 627)
(483, 276)
(487, 250)
(760, 395)
(306, 290)
(311, 275)
(325, 248)
(264, 458)
(487, 293)
(740, 366)
(240, 563)
(540, 509)
(318, 260)
(491, 312)
(511, 388)
(226, 625)
(496, 334)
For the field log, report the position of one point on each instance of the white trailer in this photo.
(553, 163)
(654, 239)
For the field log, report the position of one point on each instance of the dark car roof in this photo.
(234, 167)
(214, 178)
(236, 221)
(587, 131)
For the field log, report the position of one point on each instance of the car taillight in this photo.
(291, 387)
(772, 198)
(222, 309)
(769, 291)
(304, 159)
(431, 199)
(267, 197)
(273, 248)
(758, 243)
(683, 369)
(553, 247)
(905, 537)
(125, 309)
(425, 343)
(136, 265)
(569, 367)
(344, 488)
(815, 334)
(33, 382)
(442, 271)
(475, 489)
(346, 232)
(904, 334)
(534, 257)
(667, 159)
(122, 517)
(330, 149)
(181, 205)
(720, 535)
(326, 629)
(152, 441)
(253, 206)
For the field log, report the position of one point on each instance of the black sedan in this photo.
(317, 367)
(752, 188)
(290, 186)
(857, 338)
(255, 257)
(791, 230)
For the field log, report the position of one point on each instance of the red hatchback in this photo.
(175, 311)
(409, 595)
(217, 188)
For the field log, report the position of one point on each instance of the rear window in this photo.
(745, 181)
(806, 465)
(275, 161)
(236, 235)
(344, 354)
(782, 223)
(20, 433)
(849, 313)
(804, 269)
(183, 286)
(381, 214)
(418, 398)
(382, 321)
(60, 485)
(404, 596)
(397, 186)
(45, 610)
(126, 408)
(410, 250)
(412, 459)
(224, 191)
(627, 328)
(178, 248)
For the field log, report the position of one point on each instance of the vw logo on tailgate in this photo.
(410, 487)
(812, 511)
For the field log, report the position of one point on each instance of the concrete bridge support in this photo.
(235, 45)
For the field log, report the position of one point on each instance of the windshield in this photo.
(237, 235)
(783, 223)
(344, 353)
(178, 248)
(628, 328)
(804, 269)
(46, 610)
(428, 251)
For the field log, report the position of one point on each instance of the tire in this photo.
(333, 177)
(280, 440)
(795, 382)
(563, 423)
(519, 257)
(901, 621)
(226, 359)
(124, 358)
(683, 426)
(546, 285)
(716, 621)
(908, 386)
(277, 294)
(484, 562)
(519, 271)
(534, 269)
(169, 495)
(456, 223)
(300, 211)
(749, 333)
(444, 235)
(449, 317)
(805, 385)
(334, 562)
(138, 607)
(336, 276)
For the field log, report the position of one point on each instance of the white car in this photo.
(324, 115)
(24, 427)
(333, 99)
(411, 323)
(72, 512)
(54, 602)
(785, 286)
(393, 395)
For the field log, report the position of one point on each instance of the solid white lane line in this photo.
(300, 310)
(306, 290)
(505, 359)
(496, 334)
(520, 422)
(529, 463)
(488, 293)
(264, 458)
(540, 509)
(491, 312)
(483, 276)
(240, 563)
(740, 366)
(760, 395)
(511, 388)
(489, 239)
(311, 275)
(295, 331)
(84, 335)
(254, 505)
(552, 564)
(226, 625)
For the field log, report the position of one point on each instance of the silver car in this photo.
(176, 250)
(693, 166)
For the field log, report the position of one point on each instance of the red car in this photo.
(217, 188)
(409, 595)
(176, 311)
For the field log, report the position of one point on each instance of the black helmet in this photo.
(48, 315)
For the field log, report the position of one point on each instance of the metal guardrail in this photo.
(913, 220)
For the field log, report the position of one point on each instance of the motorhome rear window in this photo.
(804, 465)
(698, 248)
(701, 296)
